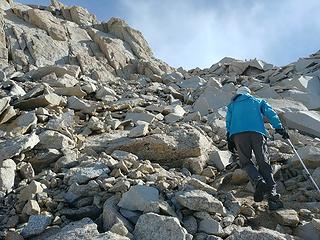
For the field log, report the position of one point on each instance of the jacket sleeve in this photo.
(272, 116)
(228, 118)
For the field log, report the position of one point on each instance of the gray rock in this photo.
(307, 122)
(309, 231)
(140, 130)
(210, 226)
(139, 197)
(111, 215)
(83, 229)
(36, 225)
(310, 156)
(14, 146)
(199, 200)
(92, 212)
(190, 224)
(262, 234)
(84, 174)
(153, 226)
(21, 124)
(7, 175)
(76, 191)
(180, 143)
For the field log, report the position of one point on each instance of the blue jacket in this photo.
(245, 113)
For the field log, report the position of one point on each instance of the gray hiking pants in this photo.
(247, 142)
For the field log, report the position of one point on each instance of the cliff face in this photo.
(98, 134)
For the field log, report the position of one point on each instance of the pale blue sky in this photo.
(198, 33)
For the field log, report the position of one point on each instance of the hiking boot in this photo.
(275, 203)
(261, 189)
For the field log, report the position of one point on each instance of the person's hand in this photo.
(283, 133)
(231, 144)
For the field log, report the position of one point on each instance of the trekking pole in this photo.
(304, 166)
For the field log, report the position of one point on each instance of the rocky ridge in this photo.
(101, 140)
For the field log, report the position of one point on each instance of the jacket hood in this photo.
(240, 97)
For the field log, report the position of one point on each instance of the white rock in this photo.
(306, 121)
(139, 131)
(80, 105)
(220, 159)
(54, 139)
(7, 175)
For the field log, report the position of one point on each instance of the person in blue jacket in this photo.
(246, 133)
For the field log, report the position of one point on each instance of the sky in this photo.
(199, 33)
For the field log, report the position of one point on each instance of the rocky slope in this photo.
(101, 140)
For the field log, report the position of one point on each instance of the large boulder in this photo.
(305, 121)
(153, 226)
(170, 149)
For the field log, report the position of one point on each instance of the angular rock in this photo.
(80, 105)
(139, 197)
(77, 191)
(220, 159)
(168, 149)
(153, 226)
(8, 114)
(307, 122)
(210, 226)
(92, 212)
(31, 208)
(36, 225)
(7, 175)
(54, 139)
(14, 146)
(21, 124)
(83, 229)
(51, 99)
(111, 215)
(310, 230)
(310, 156)
(264, 233)
(46, 21)
(199, 200)
(287, 217)
(140, 130)
(29, 191)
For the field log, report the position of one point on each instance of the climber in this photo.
(246, 133)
